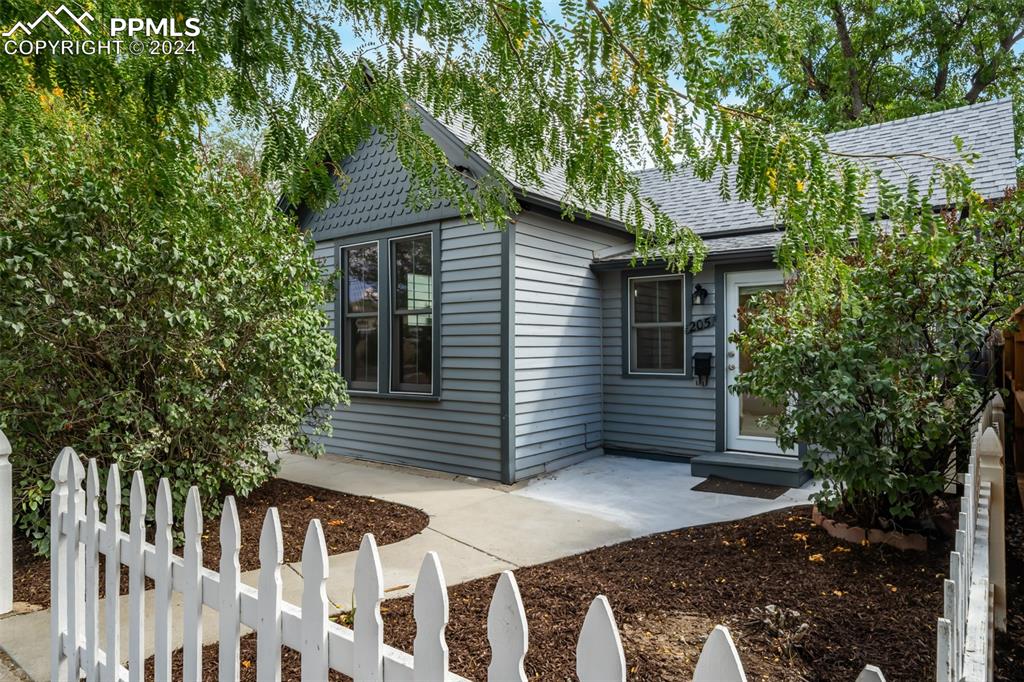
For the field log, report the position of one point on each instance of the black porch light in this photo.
(700, 294)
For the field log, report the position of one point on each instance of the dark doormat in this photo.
(714, 484)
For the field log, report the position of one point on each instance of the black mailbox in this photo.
(702, 367)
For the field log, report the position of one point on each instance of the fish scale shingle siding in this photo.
(372, 196)
(558, 363)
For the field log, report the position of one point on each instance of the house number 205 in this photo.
(701, 324)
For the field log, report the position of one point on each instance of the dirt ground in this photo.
(800, 605)
(344, 518)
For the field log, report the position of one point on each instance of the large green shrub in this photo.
(877, 356)
(161, 315)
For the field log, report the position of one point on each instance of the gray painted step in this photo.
(752, 468)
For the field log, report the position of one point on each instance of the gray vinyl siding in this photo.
(651, 414)
(461, 432)
(557, 343)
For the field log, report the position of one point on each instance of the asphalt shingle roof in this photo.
(986, 129)
(553, 184)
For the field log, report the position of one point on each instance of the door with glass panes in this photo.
(745, 427)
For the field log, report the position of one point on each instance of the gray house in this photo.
(504, 354)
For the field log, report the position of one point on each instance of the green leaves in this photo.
(174, 328)
(573, 100)
(895, 59)
(877, 354)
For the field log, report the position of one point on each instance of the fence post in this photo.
(990, 466)
(999, 417)
(6, 527)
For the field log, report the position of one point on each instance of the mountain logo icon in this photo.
(69, 16)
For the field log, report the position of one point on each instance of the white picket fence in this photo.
(6, 528)
(79, 538)
(975, 592)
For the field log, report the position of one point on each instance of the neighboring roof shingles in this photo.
(986, 129)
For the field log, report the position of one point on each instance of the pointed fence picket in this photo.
(92, 577)
(78, 538)
(162, 567)
(599, 655)
(268, 630)
(192, 590)
(228, 606)
(137, 579)
(112, 575)
(430, 607)
(975, 590)
(507, 632)
(314, 606)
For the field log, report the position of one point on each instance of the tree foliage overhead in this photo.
(843, 63)
(594, 89)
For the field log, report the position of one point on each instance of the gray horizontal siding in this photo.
(658, 415)
(558, 363)
(461, 433)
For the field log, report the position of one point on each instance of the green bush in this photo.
(163, 315)
(877, 357)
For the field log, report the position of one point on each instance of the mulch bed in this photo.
(344, 518)
(1010, 645)
(860, 604)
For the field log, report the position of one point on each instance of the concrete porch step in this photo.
(751, 468)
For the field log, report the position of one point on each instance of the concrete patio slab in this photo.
(648, 496)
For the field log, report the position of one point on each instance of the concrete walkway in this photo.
(477, 528)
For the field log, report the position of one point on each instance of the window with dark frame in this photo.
(412, 327)
(657, 327)
(362, 316)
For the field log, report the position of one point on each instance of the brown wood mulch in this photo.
(344, 518)
(800, 605)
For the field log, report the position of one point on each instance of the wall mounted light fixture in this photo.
(700, 294)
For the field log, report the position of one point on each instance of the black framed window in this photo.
(412, 326)
(657, 325)
(362, 316)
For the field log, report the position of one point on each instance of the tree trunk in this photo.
(941, 76)
(986, 73)
(856, 107)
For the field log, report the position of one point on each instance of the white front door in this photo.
(744, 431)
